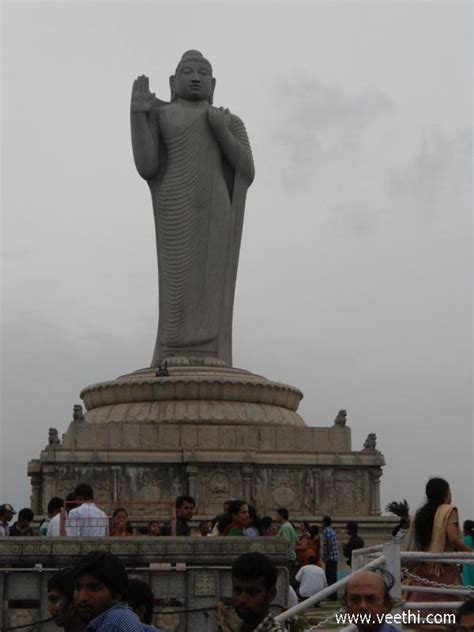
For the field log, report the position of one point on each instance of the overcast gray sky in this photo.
(355, 278)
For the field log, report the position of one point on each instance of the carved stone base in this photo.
(145, 466)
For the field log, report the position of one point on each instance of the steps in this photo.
(314, 616)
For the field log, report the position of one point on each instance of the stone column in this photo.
(317, 489)
(191, 471)
(48, 487)
(115, 484)
(36, 501)
(247, 471)
(374, 477)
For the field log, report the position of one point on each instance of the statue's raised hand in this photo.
(219, 118)
(142, 98)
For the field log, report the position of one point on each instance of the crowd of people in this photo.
(309, 546)
(97, 595)
(313, 555)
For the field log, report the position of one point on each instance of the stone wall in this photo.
(193, 572)
(145, 466)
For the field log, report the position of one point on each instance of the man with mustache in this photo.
(254, 578)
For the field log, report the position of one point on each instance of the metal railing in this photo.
(389, 557)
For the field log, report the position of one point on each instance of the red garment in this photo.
(233, 525)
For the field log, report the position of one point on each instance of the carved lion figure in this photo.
(53, 437)
(371, 442)
(341, 418)
(77, 413)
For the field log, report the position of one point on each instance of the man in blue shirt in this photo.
(100, 593)
(330, 554)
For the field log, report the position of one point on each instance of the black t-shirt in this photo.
(14, 530)
(181, 528)
(354, 543)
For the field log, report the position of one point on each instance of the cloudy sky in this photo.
(355, 281)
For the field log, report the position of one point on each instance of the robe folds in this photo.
(198, 204)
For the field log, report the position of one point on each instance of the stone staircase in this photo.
(314, 616)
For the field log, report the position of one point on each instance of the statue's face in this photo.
(193, 81)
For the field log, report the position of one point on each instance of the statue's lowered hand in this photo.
(142, 98)
(219, 118)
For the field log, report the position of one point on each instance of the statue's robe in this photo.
(198, 203)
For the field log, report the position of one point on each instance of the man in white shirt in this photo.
(56, 527)
(312, 578)
(86, 520)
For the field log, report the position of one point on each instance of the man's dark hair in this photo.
(55, 503)
(466, 609)
(266, 522)
(107, 568)
(312, 559)
(85, 491)
(63, 582)
(254, 566)
(388, 584)
(327, 522)
(140, 594)
(314, 530)
(25, 514)
(70, 501)
(283, 513)
(352, 527)
(184, 499)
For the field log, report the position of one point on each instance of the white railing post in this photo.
(357, 562)
(391, 551)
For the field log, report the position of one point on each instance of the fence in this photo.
(390, 558)
(92, 523)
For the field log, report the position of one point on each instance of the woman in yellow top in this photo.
(435, 529)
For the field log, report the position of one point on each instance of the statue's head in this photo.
(193, 78)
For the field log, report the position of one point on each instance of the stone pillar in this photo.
(374, 477)
(191, 471)
(36, 500)
(115, 484)
(247, 471)
(317, 489)
(48, 487)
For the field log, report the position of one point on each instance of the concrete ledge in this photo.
(138, 551)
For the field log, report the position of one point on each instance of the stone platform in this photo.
(211, 432)
(209, 395)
